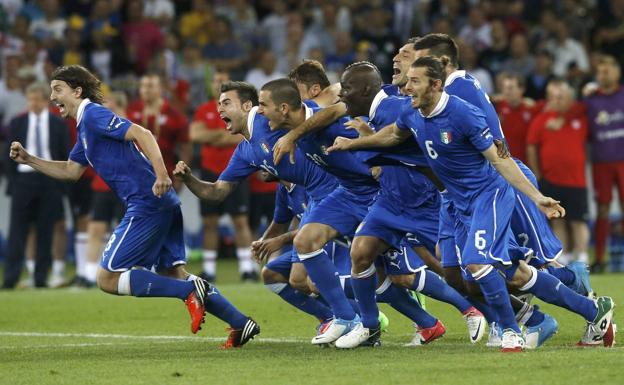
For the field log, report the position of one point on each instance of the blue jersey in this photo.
(454, 136)
(289, 203)
(466, 87)
(399, 180)
(101, 143)
(352, 173)
(257, 154)
(391, 89)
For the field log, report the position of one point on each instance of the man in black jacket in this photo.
(36, 198)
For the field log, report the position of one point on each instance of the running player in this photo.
(150, 233)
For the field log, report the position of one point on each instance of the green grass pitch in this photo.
(72, 336)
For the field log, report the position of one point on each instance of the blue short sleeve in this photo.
(475, 128)
(77, 154)
(239, 166)
(403, 121)
(282, 213)
(105, 123)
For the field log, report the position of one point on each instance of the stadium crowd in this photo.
(552, 68)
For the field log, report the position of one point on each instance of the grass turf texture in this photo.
(88, 337)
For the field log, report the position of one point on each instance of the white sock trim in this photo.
(482, 272)
(384, 286)
(422, 277)
(276, 287)
(366, 273)
(123, 286)
(304, 256)
(532, 280)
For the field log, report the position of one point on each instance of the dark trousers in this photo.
(35, 199)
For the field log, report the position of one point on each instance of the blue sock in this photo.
(565, 275)
(400, 300)
(536, 318)
(323, 273)
(549, 289)
(303, 302)
(217, 305)
(348, 289)
(497, 296)
(364, 289)
(433, 286)
(144, 283)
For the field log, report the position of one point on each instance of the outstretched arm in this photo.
(508, 168)
(286, 144)
(65, 170)
(388, 136)
(213, 192)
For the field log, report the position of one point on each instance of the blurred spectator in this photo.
(568, 54)
(605, 114)
(170, 127)
(344, 54)
(274, 29)
(609, 35)
(515, 113)
(469, 62)
(36, 198)
(142, 37)
(264, 71)
(223, 51)
(12, 97)
(374, 26)
(107, 56)
(494, 57)
(452, 11)
(49, 29)
(244, 20)
(161, 12)
(556, 154)
(521, 60)
(218, 146)
(538, 80)
(195, 71)
(12, 43)
(197, 24)
(477, 33)
(33, 59)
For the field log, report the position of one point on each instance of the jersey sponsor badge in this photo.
(324, 150)
(265, 148)
(446, 137)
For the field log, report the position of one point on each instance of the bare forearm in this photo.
(511, 172)
(382, 138)
(533, 159)
(275, 229)
(63, 170)
(322, 118)
(213, 192)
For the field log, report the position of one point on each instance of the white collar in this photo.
(81, 108)
(250, 120)
(308, 111)
(454, 75)
(381, 95)
(444, 98)
(42, 115)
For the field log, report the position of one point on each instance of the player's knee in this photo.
(403, 280)
(521, 276)
(307, 242)
(299, 283)
(452, 276)
(107, 281)
(269, 276)
(362, 256)
(472, 289)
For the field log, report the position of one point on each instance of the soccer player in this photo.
(150, 233)
(407, 207)
(457, 140)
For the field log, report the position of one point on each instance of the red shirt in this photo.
(561, 150)
(515, 122)
(214, 159)
(169, 127)
(98, 184)
(143, 39)
(257, 185)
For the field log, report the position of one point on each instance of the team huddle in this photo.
(384, 189)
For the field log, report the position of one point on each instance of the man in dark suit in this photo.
(36, 198)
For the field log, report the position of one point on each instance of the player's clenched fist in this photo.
(162, 185)
(18, 153)
(182, 170)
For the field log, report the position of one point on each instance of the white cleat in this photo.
(358, 336)
(495, 336)
(512, 341)
(476, 324)
(336, 329)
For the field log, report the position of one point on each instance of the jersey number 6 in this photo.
(432, 153)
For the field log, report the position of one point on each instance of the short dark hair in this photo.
(436, 67)
(310, 72)
(520, 80)
(284, 90)
(77, 76)
(439, 44)
(245, 91)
